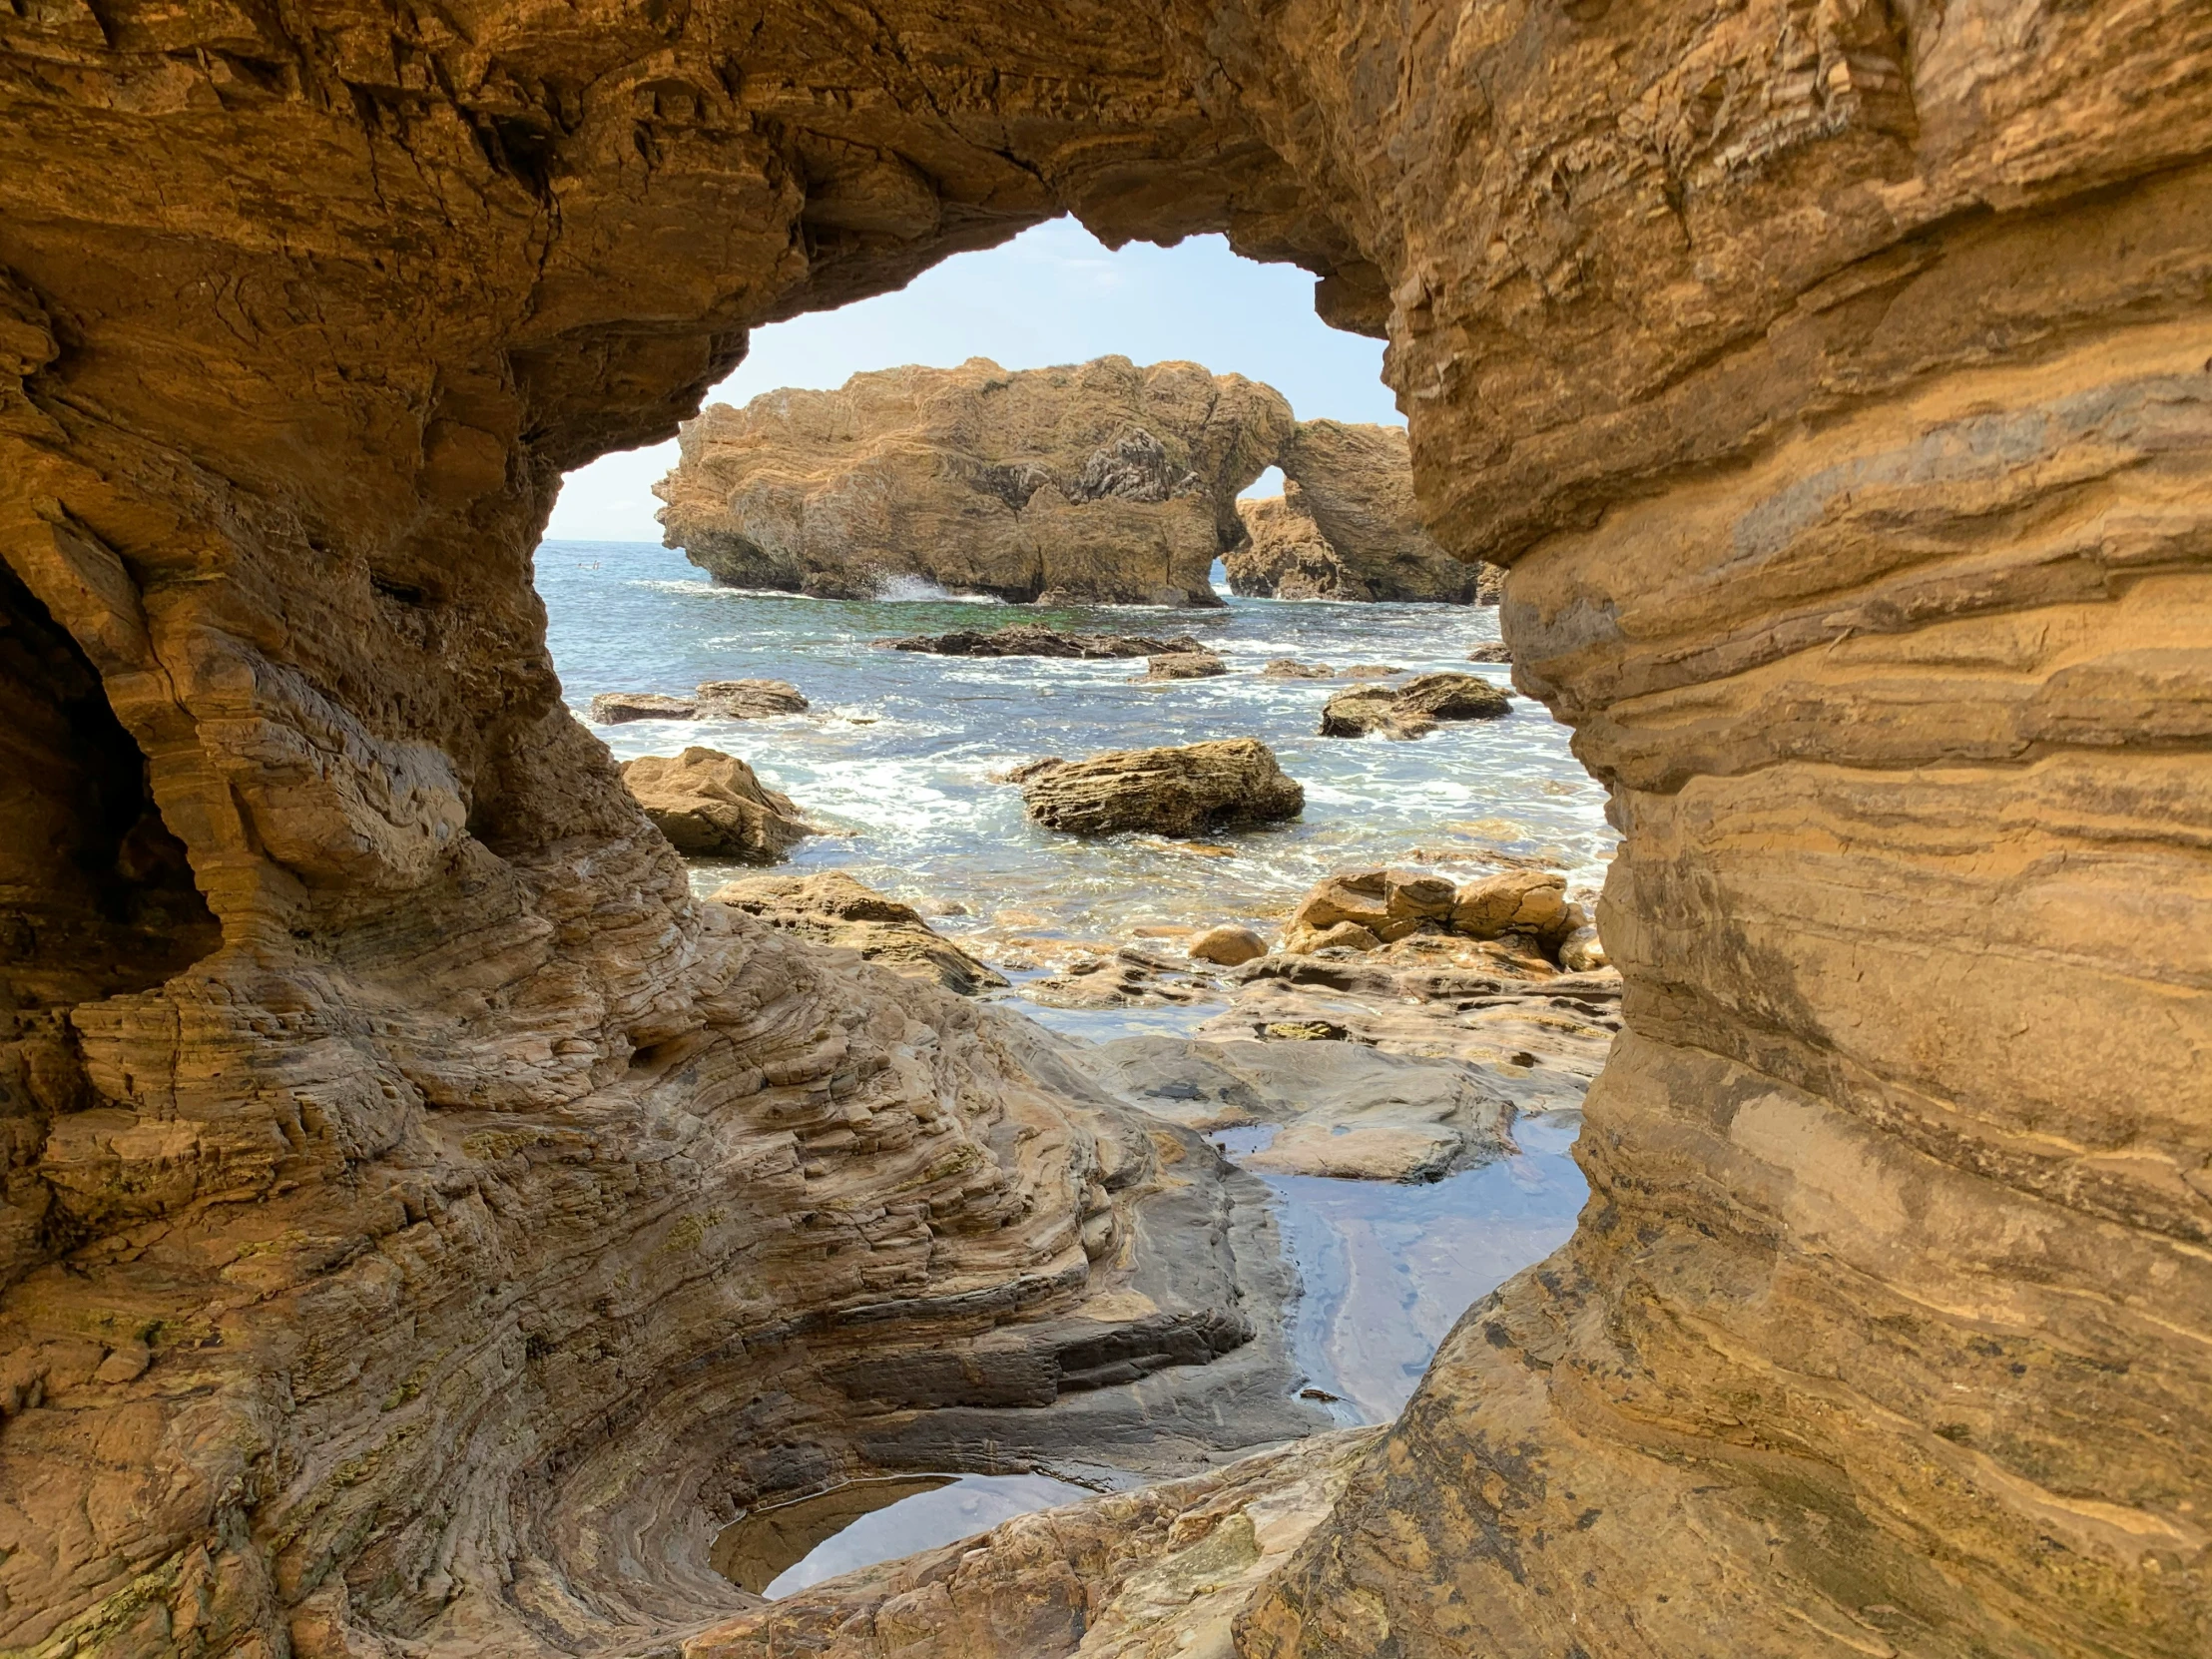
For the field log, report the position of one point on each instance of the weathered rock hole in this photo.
(97, 893)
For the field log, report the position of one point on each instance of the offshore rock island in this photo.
(425, 1221)
(1104, 483)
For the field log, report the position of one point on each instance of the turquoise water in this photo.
(899, 748)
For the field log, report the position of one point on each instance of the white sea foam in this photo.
(914, 590)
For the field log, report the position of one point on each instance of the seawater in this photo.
(899, 748)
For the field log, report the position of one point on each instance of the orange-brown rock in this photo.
(712, 806)
(1104, 482)
(1230, 783)
(1346, 526)
(1830, 374)
(1414, 708)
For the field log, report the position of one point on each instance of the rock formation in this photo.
(1346, 526)
(711, 805)
(1412, 710)
(1103, 484)
(426, 1223)
(1034, 639)
(717, 700)
(1232, 784)
(1183, 665)
(833, 909)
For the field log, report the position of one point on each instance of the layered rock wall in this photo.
(407, 1236)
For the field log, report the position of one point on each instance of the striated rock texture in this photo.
(422, 1221)
(1346, 526)
(1104, 482)
(712, 806)
(833, 909)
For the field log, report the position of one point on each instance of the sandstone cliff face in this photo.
(414, 1239)
(1104, 482)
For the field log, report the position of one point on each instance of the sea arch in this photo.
(1833, 376)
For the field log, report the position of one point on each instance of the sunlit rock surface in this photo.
(1348, 526)
(1104, 482)
(422, 1226)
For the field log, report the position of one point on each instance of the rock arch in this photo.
(1833, 375)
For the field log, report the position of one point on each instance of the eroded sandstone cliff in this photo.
(1103, 482)
(413, 1238)
(1348, 526)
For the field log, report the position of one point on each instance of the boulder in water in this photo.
(1191, 791)
(1034, 639)
(617, 707)
(1290, 668)
(749, 699)
(713, 806)
(1183, 665)
(1414, 708)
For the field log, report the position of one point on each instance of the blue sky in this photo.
(1054, 295)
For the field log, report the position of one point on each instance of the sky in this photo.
(1054, 295)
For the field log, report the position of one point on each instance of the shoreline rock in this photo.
(1035, 639)
(1194, 790)
(833, 909)
(713, 806)
(1412, 710)
(716, 699)
(1180, 665)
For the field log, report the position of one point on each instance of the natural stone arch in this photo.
(1831, 373)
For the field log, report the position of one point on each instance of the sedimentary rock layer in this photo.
(412, 1221)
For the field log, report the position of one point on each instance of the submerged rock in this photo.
(618, 708)
(1290, 668)
(1412, 710)
(1103, 482)
(1183, 665)
(1034, 639)
(749, 699)
(1496, 650)
(1227, 785)
(833, 909)
(713, 806)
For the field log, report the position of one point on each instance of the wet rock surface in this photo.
(1031, 639)
(1195, 789)
(833, 909)
(1412, 710)
(1123, 1575)
(712, 806)
(1183, 665)
(751, 698)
